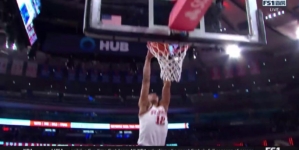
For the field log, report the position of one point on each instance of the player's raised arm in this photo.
(143, 100)
(165, 100)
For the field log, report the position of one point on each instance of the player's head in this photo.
(153, 98)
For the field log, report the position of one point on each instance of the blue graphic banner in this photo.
(139, 78)
(94, 76)
(129, 79)
(58, 73)
(116, 78)
(44, 71)
(191, 75)
(71, 74)
(153, 79)
(105, 78)
(82, 75)
(77, 44)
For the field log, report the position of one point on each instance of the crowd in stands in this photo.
(217, 115)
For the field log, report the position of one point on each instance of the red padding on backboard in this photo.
(186, 14)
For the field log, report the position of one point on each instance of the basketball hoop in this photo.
(170, 58)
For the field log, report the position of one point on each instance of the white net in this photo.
(170, 58)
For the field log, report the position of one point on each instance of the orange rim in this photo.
(166, 46)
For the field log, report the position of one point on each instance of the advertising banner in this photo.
(215, 73)
(105, 78)
(94, 76)
(228, 71)
(31, 70)
(116, 78)
(191, 75)
(254, 68)
(58, 73)
(17, 67)
(82, 75)
(153, 78)
(129, 79)
(71, 74)
(81, 125)
(77, 44)
(44, 71)
(3, 65)
(241, 69)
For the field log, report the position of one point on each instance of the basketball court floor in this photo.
(147, 20)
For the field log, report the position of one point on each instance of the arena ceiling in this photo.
(280, 30)
(233, 14)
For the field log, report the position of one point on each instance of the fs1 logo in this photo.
(89, 44)
(274, 3)
(272, 148)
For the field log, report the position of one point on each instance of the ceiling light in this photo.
(269, 16)
(233, 51)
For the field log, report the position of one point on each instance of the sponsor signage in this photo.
(76, 44)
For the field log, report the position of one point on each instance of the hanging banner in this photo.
(82, 75)
(31, 70)
(45, 71)
(153, 78)
(184, 76)
(241, 69)
(215, 73)
(3, 65)
(17, 68)
(139, 78)
(61, 43)
(129, 77)
(58, 73)
(105, 77)
(116, 77)
(228, 71)
(254, 68)
(191, 75)
(94, 76)
(71, 74)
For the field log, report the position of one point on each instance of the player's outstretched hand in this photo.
(149, 55)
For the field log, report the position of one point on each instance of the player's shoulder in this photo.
(144, 110)
(162, 107)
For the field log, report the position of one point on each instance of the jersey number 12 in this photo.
(160, 120)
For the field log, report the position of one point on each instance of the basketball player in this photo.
(153, 123)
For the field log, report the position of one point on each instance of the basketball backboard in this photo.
(147, 20)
